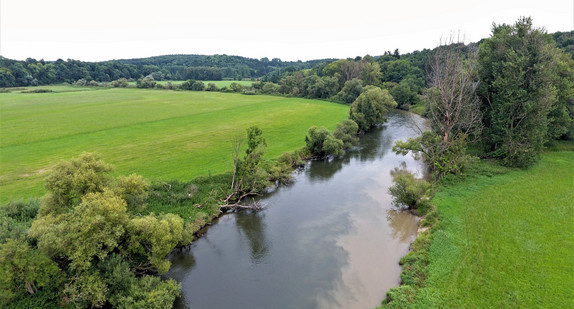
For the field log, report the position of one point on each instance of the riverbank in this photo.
(505, 239)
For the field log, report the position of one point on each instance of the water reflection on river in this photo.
(329, 240)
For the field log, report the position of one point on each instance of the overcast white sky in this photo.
(291, 30)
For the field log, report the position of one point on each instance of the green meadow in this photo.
(160, 134)
(505, 241)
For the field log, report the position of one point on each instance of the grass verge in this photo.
(504, 240)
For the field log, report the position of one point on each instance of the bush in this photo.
(212, 87)
(371, 107)
(347, 132)
(409, 191)
(122, 83)
(198, 86)
(321, 143)
(21, 210)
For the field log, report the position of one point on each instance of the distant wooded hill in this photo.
(32, 72)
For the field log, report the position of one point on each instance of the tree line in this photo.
(32, 72)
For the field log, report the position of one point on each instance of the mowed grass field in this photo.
(505, 241)
(160, 134)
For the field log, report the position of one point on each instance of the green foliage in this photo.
(236, 87)
(347, 131)
(404, 95)
(96, 242)
(517, 70)
(21, 210)
(561, 115)
(350, 91)
(252, 174)
(146, 82)
(70, 180)
(154, 237)
(134, 190)
(441, 158)
(371, 73)
(371, 108)
(121, 82)
(24, 270)
(270, 88)
(212, 87)
(409, 191)
(198, 86)
(90, 231)
(321, 143)
(150, 292)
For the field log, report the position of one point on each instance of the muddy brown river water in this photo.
(332, 239)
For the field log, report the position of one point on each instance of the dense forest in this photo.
(32, 72)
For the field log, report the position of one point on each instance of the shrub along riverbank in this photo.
(505, 239)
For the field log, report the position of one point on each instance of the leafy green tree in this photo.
(122, 82)
(561, 115)
(517, 70)
(441, 158)
(350, 91)
(198, 86)
(404, 95)
(133, 189)
(88, 232)
(270, 88)
(236, 87)
(346, 131)
(252, 170)
(7, 78)
(154, 237)
(24, 270)
(371, 107)
(371, 73)
(321, 143)
(146, 82)
(409, 191)
(212, 87)
(70, 180)
(150, 292)
(84, 223)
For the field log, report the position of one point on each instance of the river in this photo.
(332, 239)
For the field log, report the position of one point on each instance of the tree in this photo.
(122, 82)
(24, 270)
(70, 180)
(146, 82)
(198, 86)
(321, 143)
(84, 223)
(371, 107)
(346, 131)
(453, 105)
(454, 111)
(409, 191)
(350, 91)
(561, 116)
(371, 73)
(517, 71)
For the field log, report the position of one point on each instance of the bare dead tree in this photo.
(453, 104)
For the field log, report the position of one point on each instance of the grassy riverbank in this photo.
(504, 241)
(159, 134)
